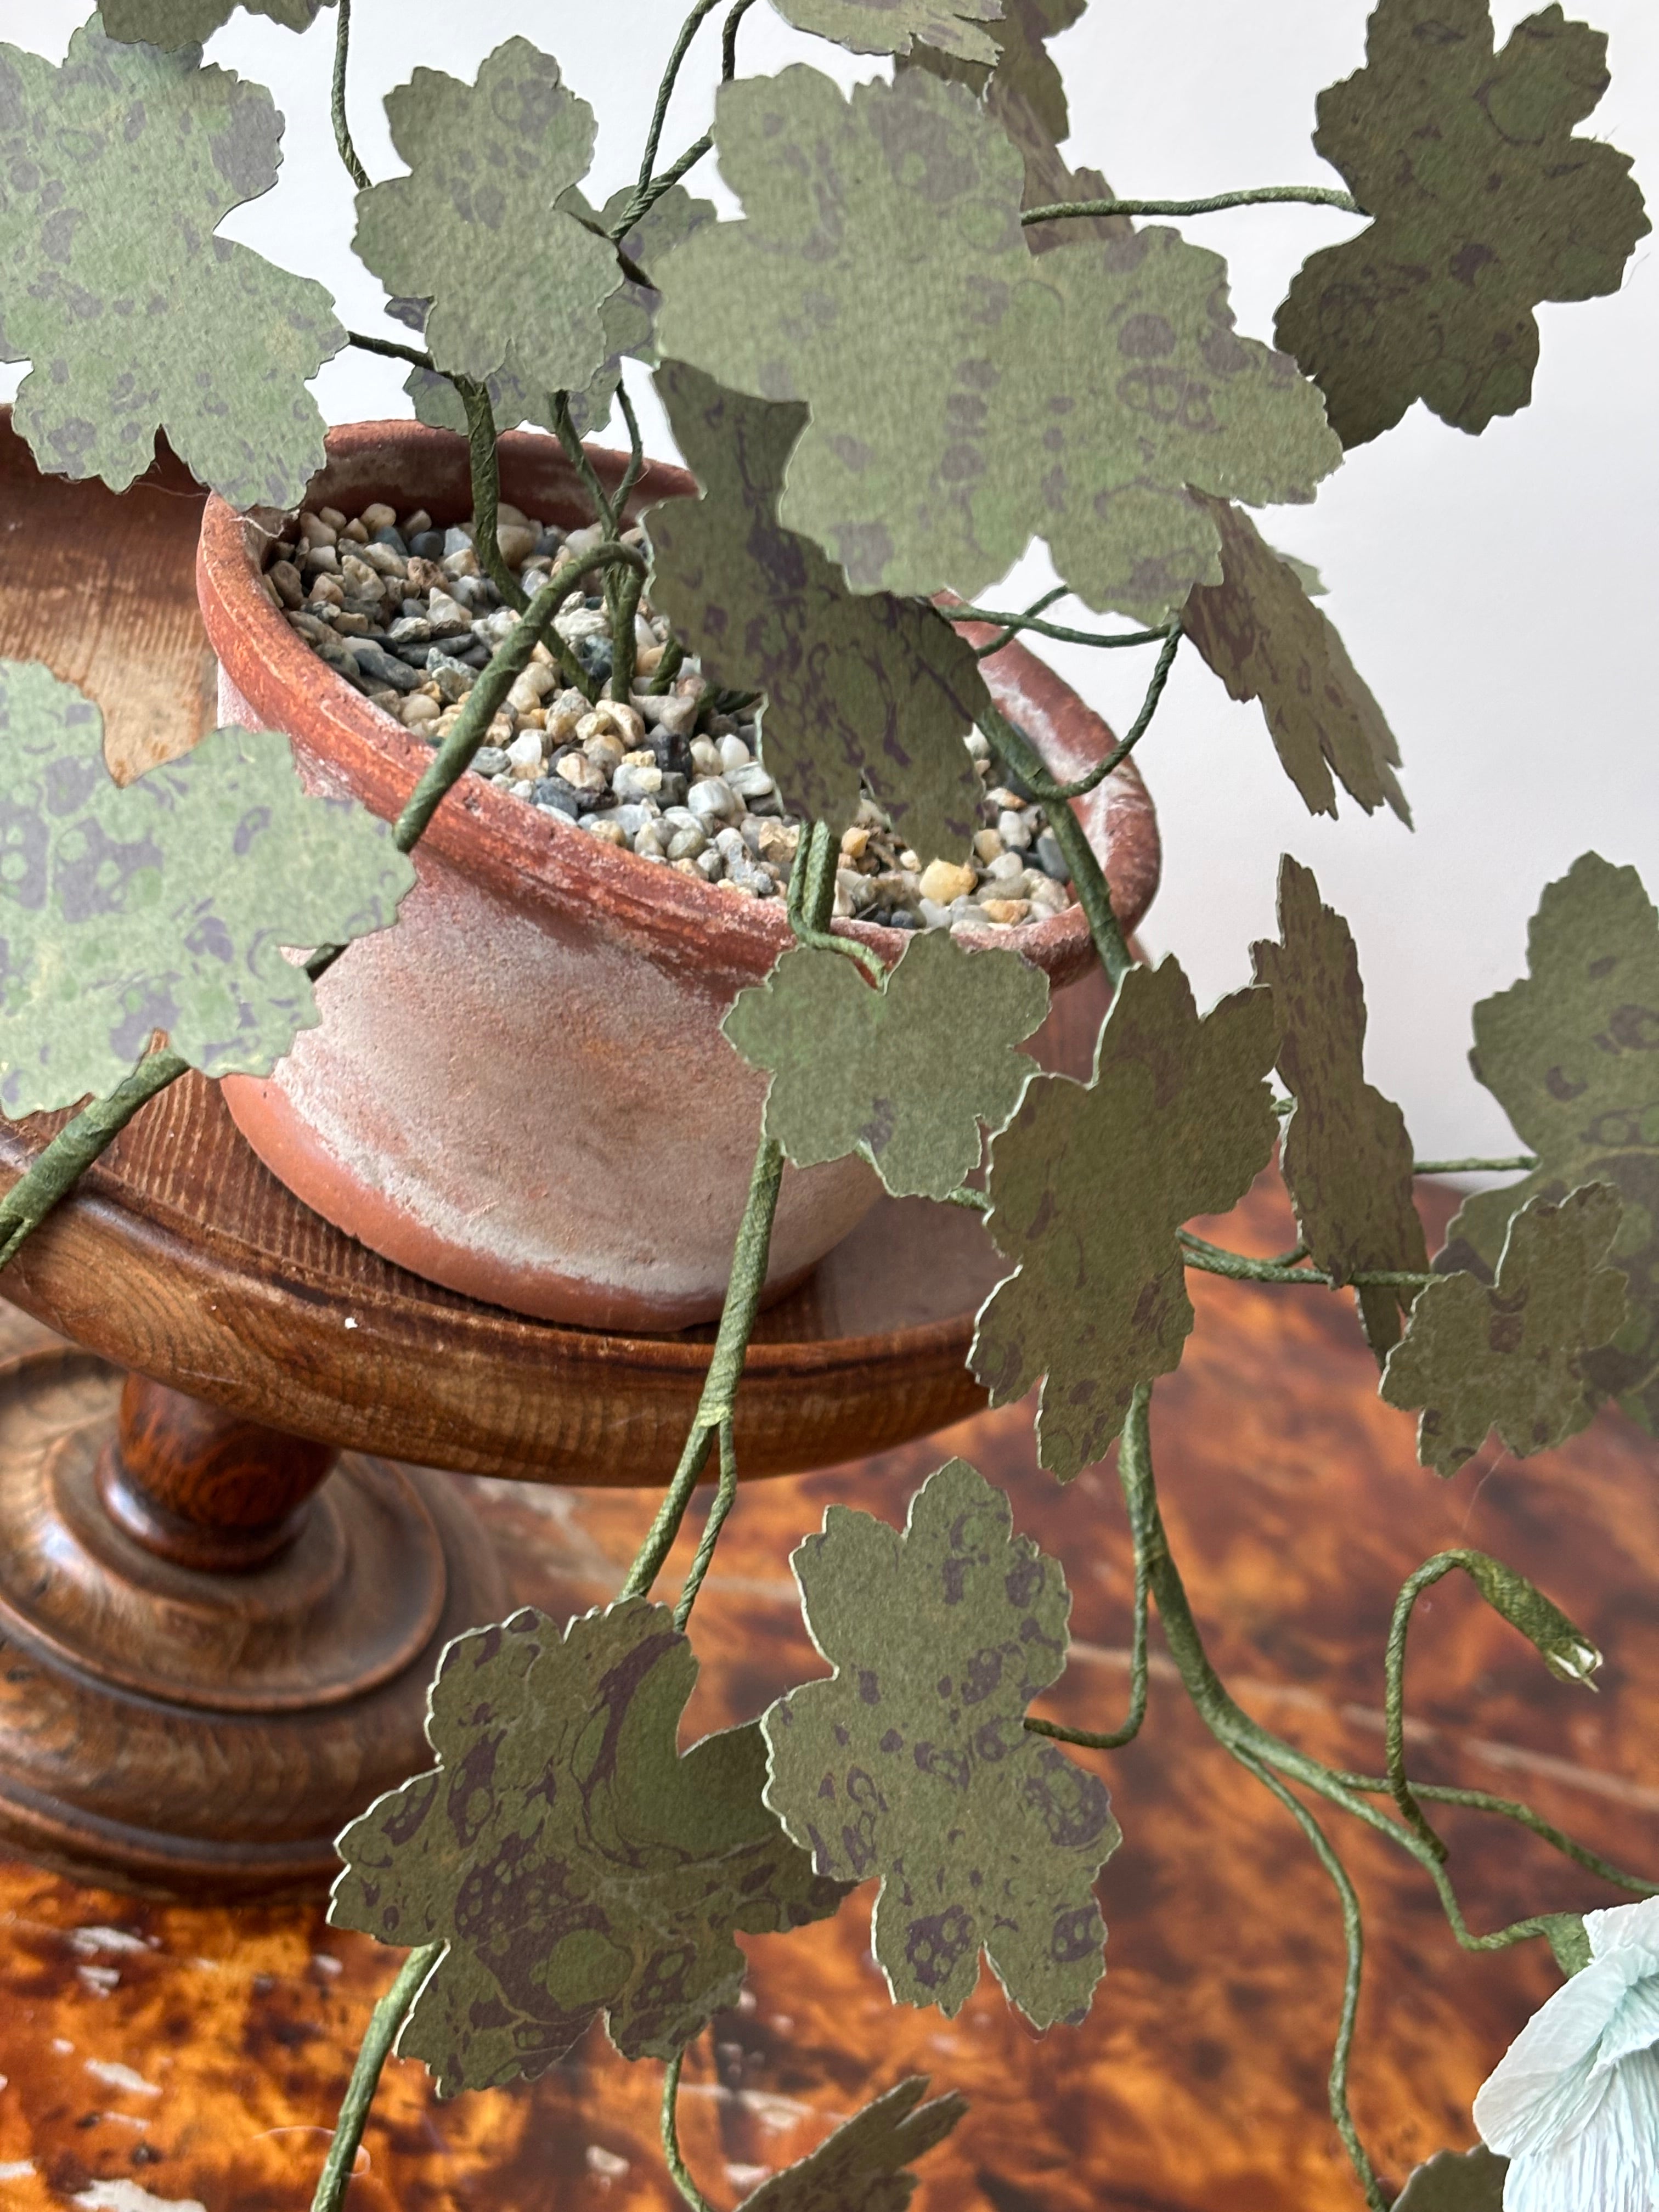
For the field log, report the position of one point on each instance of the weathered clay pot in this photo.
(522, 1091)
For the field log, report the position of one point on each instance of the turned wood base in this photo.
(212, 1655)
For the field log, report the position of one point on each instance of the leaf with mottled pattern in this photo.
(1483, 204)
(897, 26)
(1509, 1355)
(629, 317)
(117, 169)
(476, 226)
(861, 688)
(1470, 2182)
(861, 2168)
(913, 1762)
(163, 905)
(569, 1858)
(1088, 1188)
(902, 1075)
(966, 395)
(1571, 1055)
(1346, 1156)
(191, 22)
(1260, 632)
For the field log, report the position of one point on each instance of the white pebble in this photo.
(714, 800)
(750, 780)
(1014, 831)
(685, 844)
(706, 756)
(526, 751)
(733, 753)
(637, 778)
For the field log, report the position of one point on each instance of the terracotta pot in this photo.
(520, 1091)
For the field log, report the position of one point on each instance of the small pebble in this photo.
(712, 800)
(1050, 858)
(1005, 911)
(581, 772)
(943, 881)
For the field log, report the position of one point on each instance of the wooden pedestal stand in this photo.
(217, 1628)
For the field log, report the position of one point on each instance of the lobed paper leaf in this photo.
(1260, 632)
(117, 169)
(1484, 203)
(567, 1855)
(1471, 2182)
(1347, 1157)
(903, 1074)
(861, 2168)
(192, 22)
(965, 394)
(1025, 96)
(861, 688)
(1571, 1055)
(630, 318)
(163, 905)
(1088, 1188)
(895, 26)
(1509, 1355)
(913, 1762)
(514, 279)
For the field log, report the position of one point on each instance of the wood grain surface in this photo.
(100, 587)
(200, 2053)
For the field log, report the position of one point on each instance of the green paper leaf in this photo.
(1484, 205)
(513, 277)
(860, 2168)
(1573, 1056)
(1473, 2182)
(1263, 636)
(119, 166)
(860, 687)
(630, 318)
(895, 26)
(571, 1860)
(1509, 1355)
(1346, 1156)
(1088, 1188)
(1025, 94)
(163, 905)
(192, 22)
(965, 394)
(913, 1761)
(902, 1075)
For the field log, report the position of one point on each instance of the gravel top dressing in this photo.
(404, 612)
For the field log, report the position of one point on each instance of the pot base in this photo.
(287, 1141)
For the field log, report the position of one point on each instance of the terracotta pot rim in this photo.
(495, 836)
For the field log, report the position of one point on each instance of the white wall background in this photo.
(1498, 593)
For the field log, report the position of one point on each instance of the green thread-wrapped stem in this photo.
(390, 350)
(1522, 1160)
(679, 2172)
(1015, 750)
(348, 152)
(1510, 1808)
(688, 31)
(726, 1496)
(1259, 196)
(715, 1408)
(387, 2018)
(811, 897)
(1353, 1934)
(482, 446)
